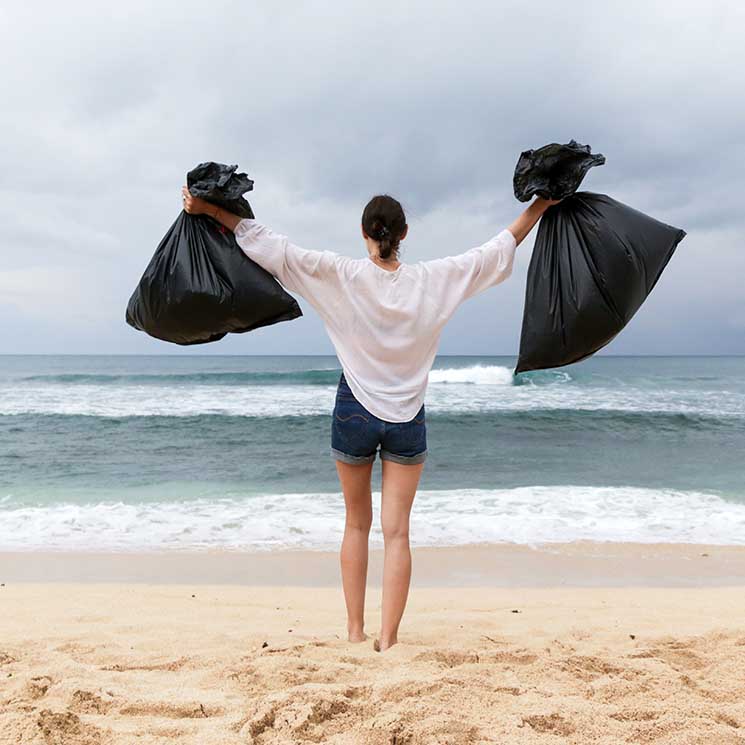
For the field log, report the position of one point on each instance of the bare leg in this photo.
(355, 483)
(399, 487)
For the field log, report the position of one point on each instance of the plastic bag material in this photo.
(199, 285)
(553, 171)
(594, 263)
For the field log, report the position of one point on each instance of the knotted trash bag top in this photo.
(553, 171)
(595, 261)
(199, 285)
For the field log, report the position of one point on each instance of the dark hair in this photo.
(384, 221)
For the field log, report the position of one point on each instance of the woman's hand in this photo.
(196, 205)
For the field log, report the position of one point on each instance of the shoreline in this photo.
(576, 564)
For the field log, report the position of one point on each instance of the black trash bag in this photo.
(594, 263)
(553, 171)
(199, 285)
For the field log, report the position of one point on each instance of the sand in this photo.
(580, 564)
(114, 662)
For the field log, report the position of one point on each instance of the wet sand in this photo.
(580, 564)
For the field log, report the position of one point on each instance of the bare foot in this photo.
(378, 647)
(357, 636)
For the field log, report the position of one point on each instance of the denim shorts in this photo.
(356, 433)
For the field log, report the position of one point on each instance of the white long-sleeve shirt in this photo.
(385, 325)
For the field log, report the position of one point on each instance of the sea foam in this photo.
(525, 515)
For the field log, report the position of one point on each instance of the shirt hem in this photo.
(371, 406)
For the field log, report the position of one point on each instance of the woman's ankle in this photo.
(357, 637)
(381, 644)
(388, 640)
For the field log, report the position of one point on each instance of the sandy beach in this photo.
(601, 659)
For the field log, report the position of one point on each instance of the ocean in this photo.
(189, 452)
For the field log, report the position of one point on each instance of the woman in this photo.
(384, 318)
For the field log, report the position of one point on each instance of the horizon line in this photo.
(329, 354)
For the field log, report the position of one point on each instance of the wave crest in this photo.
(478, 374)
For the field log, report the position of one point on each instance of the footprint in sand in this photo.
(300, 713)
(635, 715)
(65, 728)
(171, 666)
(518, 657)
(619, 690)
(37, 687)
(677, 655)
(447, 658)
(398, 692)
(588, 667)
(161, 709)
(87, 702)
(553, 724)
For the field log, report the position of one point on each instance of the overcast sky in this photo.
(105, 107)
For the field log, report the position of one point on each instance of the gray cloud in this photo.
(106, 108)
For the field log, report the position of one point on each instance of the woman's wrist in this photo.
(206, 208)
(224, 217)
(529, 217)
(539, 205)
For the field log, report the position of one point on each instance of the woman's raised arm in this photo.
(530, 216)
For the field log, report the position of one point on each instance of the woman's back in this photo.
(385, 325)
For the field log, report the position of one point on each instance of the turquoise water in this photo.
(117, 452)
